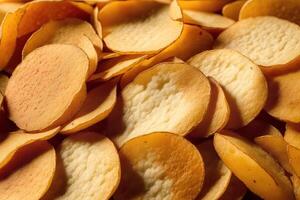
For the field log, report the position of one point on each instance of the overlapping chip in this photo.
(232, 10)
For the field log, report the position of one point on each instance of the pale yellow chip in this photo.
(253, 166)
(243, 82)
(139, 27)
(160, 166)
(11, 142)
(236, 190)
(296, 183)
(285, 9)
(171, 97)
(29, 174)
(232, 10)
(217, 175)
(203, 5)
(6, 7)
(88, 167)
(268, 46)
(292, 134)
(97, 106)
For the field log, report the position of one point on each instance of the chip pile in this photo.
(150, 99)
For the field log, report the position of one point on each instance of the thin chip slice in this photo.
(285, 9)
(13, 141)
(160, 166)
(232, 10)
(292, 134)
(253, 166)
(273, 46)
(109, 55)
(88, 167)
(97, 106)
(203, 5)
(6, 7)
(171, 97)
(217, 175)
(139, 27)
(38, 102)
(29, 174)
(96, 23)
(243, 82)
(296, 183)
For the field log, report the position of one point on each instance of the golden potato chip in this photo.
(88, 167)
(40, 97)
(292, 134)
(109, 55)
(243, 82)
(294, 158)
(203, 5)
(171, 97)
(253, 166)
(296, 183)
(13, 141)
(232, 10)
(236, 190)
(217, 114)
(160, 166)
(96, 23)
(269, 46)
(29, 174)
(217, 175)
(97, 106)
(6, 7)
(139, 27)
(285, 9)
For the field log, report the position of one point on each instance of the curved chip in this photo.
(236, 190)
(243, 82)
(160, 166)
(296, 183)
(203, 5)
(29, 174)
(35, 101)
(6, 7)
(292, 134)
(88, 165)
(171, 97)
(139, 27)
(268, 46)
(97, 106)
(294, 158)
(232, 10)
(253, 166)
(96, 23)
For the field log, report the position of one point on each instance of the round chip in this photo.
(139, 27)
(160, 166)
(29, 174)
(232, 10)
(48, 87)
(203, 5)
(243, 82)
(268, 41)
(171, 97)
(88, 168)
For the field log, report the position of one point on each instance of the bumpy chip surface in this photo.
(232, 10)
(160, 166)
(243, 82)
(264, 44)
(170, 97)
(48, 87)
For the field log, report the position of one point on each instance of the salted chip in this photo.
(97, 106)
(296, 183)
(29, 174)
(217, 175)
(253, 166)
(6, 7)
(232, 10)
(13, 141)
(48, 87)
(139, 27)
(160, 166)
(171, 97)
(236, 190)
(268, 46)
(88, 166)
(243, 82)
(285, 9)
(203, 5)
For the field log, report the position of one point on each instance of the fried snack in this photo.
(96, 23)
(203, 5)
(124, 31)
(29, 174)
(294, 158)
(243, 82)
(37, 102)
(170, 97)
(296, 183)
(232, 10)
(236, 190)
(272, 47)
(253, 166)
(160, 166)
(88, 165)
(97, 106)
(292, 134)
(8, 7)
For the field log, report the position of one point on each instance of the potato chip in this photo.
(292, 134)
(296, 183)
(253, 166)
(217, 114)
(29, 174)
(97, 106)
(160, 166)
(88, 167)
(236, 190)
(285, 9)
(35, 101)
(139, 27)
(243, 82)
(268, 46)
(96, 23)
(171, 97)
(13, 141)
(6, 7)
(109, 55)
(203, 5)
(232, 10)
(217, 175)
(294, 158)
